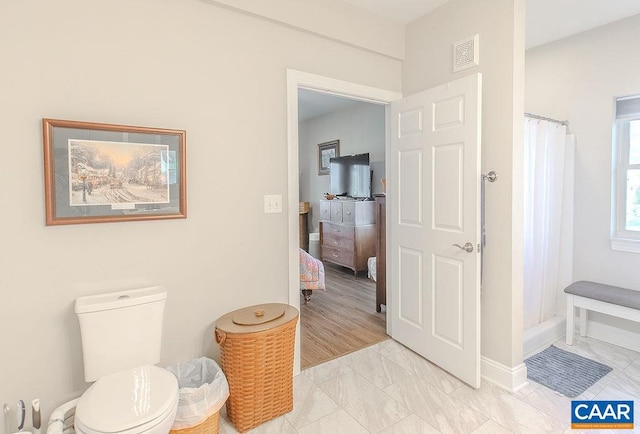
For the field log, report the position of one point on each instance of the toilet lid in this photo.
(127, 399)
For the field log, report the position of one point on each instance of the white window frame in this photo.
(621, 238)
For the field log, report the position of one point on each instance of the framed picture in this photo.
(95, 173)
(326, 151)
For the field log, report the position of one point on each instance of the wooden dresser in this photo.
(381, 252)
(347, 232)
(303, 224)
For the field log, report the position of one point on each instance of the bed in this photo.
(372, 268)
(311, 275)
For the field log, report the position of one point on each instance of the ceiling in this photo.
(546, 21)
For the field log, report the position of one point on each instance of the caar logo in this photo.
(602, 414)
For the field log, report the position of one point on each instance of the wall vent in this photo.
(466, 53)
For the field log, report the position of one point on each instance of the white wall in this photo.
(429, 40)
(360, 129)
(184, 64)
(334, 19)
(577, 79)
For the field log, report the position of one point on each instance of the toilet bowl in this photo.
(134, 401)
(121, 337)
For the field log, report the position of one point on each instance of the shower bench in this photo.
(607, 299)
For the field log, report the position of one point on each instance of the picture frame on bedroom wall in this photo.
(98, 173)
(326, 151)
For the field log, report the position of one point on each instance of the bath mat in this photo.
(566, 373)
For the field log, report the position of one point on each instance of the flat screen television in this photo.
(350, 176)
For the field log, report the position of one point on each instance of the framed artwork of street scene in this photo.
(95, 173)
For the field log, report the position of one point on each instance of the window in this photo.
(626, 176)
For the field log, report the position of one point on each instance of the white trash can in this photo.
(314, 244)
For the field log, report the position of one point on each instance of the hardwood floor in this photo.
(341, 319)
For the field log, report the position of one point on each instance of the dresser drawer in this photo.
(349, 212)
(336, 211)
(338, 255)
(337, 241)
(325, 210)
(334, 231)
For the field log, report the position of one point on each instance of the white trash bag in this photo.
(203, 391)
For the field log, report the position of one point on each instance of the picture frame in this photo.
(326, 151)
(99, 173)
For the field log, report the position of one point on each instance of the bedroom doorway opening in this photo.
(343, 318)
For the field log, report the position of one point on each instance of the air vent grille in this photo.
(466, 54)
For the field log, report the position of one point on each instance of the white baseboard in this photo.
(543, 335)
(510, 379)
(613, 335)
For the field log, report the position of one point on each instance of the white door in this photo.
(433, 205)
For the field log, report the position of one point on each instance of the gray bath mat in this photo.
(564, 372)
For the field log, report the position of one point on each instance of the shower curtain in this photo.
(548, 216)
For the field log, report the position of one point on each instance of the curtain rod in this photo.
(543, 118)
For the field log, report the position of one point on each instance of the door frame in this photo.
(295, 80)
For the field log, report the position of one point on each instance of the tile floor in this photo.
(388, 389)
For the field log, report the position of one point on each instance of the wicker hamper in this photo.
(256, 348)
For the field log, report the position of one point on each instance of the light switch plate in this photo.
(272, 203)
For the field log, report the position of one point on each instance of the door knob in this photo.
(468, 247)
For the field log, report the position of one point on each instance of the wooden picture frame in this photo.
(97, 173)
(326, 151)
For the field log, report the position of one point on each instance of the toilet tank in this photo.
(120, 330)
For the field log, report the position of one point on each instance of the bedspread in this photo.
(311, 272)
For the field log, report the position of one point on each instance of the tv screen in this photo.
(350, 176)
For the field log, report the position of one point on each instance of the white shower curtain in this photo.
(545, 195)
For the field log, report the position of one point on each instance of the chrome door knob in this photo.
(468, 247)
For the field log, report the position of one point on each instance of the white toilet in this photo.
(121, 337)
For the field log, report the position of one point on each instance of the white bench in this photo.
(611, 300)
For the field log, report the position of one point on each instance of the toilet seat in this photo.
(131, 401)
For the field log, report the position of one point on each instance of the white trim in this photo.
(614, 335)
(625, 245)
(622, 239)
(509, 379)
(347, 89)
(293, 192)
(295, 80)
(543, 335)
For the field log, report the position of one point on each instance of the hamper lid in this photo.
(256, 318)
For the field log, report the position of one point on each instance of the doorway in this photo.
(343, 318)
(299, 80)
(456, 118)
